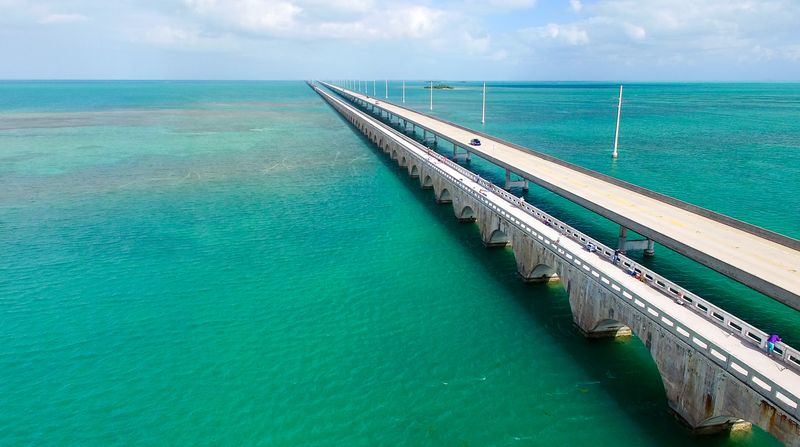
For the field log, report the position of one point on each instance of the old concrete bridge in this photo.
(711, 363)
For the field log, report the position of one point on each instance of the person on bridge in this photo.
(774, 338)
(615, 258)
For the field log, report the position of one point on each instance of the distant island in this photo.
(440, 87)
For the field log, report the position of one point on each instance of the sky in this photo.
(613, 40)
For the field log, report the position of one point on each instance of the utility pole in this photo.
(483, 110)
(619, 112)
(431, 95)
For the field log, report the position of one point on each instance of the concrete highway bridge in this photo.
(712, 363)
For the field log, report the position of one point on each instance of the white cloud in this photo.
(414, 22)
(563, 34)
(254, 16)
(52, 19)
(189, 39)
(694, 37)
(792, 53)
(500, 55)
(476, 45)
(339, 19)
(509, 5)
(635, 32)
(585, 39)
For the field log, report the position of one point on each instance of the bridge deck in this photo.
(762, 264)
(682, 316)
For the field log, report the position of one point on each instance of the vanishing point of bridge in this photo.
(712, 364)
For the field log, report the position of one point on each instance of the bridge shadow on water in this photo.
(623, 368)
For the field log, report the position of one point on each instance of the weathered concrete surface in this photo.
(464, 207)
(494, 229)
(535, 263)
(705, 396)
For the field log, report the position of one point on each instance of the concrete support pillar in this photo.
(623, 237)
(650, 250)
(516, 183)
(535, 263)
(624, 245)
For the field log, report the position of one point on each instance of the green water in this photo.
(230, 264)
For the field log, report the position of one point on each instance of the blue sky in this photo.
(659, 40)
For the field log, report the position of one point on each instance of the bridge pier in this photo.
(441, 189)
(464, 207)
(516, 183)
(466, 157)
(494, 229)
(623, 244)
(534, 261)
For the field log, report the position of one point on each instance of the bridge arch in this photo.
(427, 182)
(609, 327)
(403, 161)
(542, 273)
(444, 196)
(497, 238)
(466, 214)
(414, 171)
(394, 154)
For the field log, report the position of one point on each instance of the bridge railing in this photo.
(776, 394)
(743, 330)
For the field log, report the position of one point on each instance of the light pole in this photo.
(483, 110)
(386, 83)
(616, 134)
(404, 92)
(431, 95)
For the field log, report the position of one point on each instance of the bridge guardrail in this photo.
(745, 331)
(781, 397)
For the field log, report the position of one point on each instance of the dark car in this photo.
(475, 142)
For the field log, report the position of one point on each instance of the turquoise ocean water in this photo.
(228, 263)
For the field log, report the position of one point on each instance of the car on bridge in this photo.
(475, 142)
